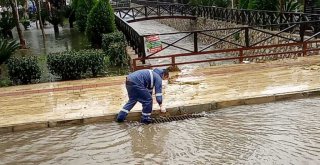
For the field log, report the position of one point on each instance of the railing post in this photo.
(145, 12)
(241, 56)
(263, 18)
(134, 63)
(247, 39)
(195, 41)
(173, 61)
(142, 49)
(120, 13)
(242, 17)
(304, 48)
(249, 18)
(302, 30)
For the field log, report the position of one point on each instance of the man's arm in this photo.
(158, 89)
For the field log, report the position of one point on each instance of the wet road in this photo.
(273, 133)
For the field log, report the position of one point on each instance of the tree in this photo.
(40, 18)
(243, 4)
(206, 2)
(317, 3)
(270, 5)
(6, 25)
(82, 10)
(218, 3)
(13, 4)
(100, 21)
(24, 3)
(289, 6)
(70, 14)
(222, 3)
(56, 19)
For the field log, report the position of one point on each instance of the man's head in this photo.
(164, 73)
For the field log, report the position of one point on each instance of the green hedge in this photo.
(110, 38)
(95, 61)
(117, 55)
(114, 45)
(24, 70)
(72, 65)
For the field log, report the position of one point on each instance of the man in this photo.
(139, 86)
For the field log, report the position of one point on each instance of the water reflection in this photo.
(68, 39)
(148, 143)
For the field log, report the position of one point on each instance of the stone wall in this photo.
(236, 36)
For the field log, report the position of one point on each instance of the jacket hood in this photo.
(159, 72)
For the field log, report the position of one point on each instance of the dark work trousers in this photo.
(137, 93)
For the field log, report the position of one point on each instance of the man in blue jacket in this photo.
(139, 86)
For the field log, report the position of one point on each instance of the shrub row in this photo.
(24, 70)
(70, 65)
(114, 46)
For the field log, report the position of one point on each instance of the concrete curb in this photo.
(135, 116)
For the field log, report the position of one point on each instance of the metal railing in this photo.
(298, 49)
(243, 16)
(270, 25)
(135, 40)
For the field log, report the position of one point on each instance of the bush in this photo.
(100, 21)
(108, 39)
(117, 54)
(68, 65)
(95, 61)
(72, 65)
(24, 70)
(5, 82)
(113, 45)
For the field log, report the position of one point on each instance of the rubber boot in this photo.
(121, 116)
(146, 119)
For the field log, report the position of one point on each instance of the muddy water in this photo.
(274, 133)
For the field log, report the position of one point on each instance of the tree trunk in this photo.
(16, 20)
(56, 29)
(71, 23)
(40, 19)
(25, 8)
(9, 34)
(281, 5)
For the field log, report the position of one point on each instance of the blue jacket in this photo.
(148, 79)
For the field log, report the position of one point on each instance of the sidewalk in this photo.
(91, 100)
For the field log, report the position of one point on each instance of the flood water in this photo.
(68, 39)
(273, 133)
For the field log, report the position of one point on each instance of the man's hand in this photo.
(162, 109)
